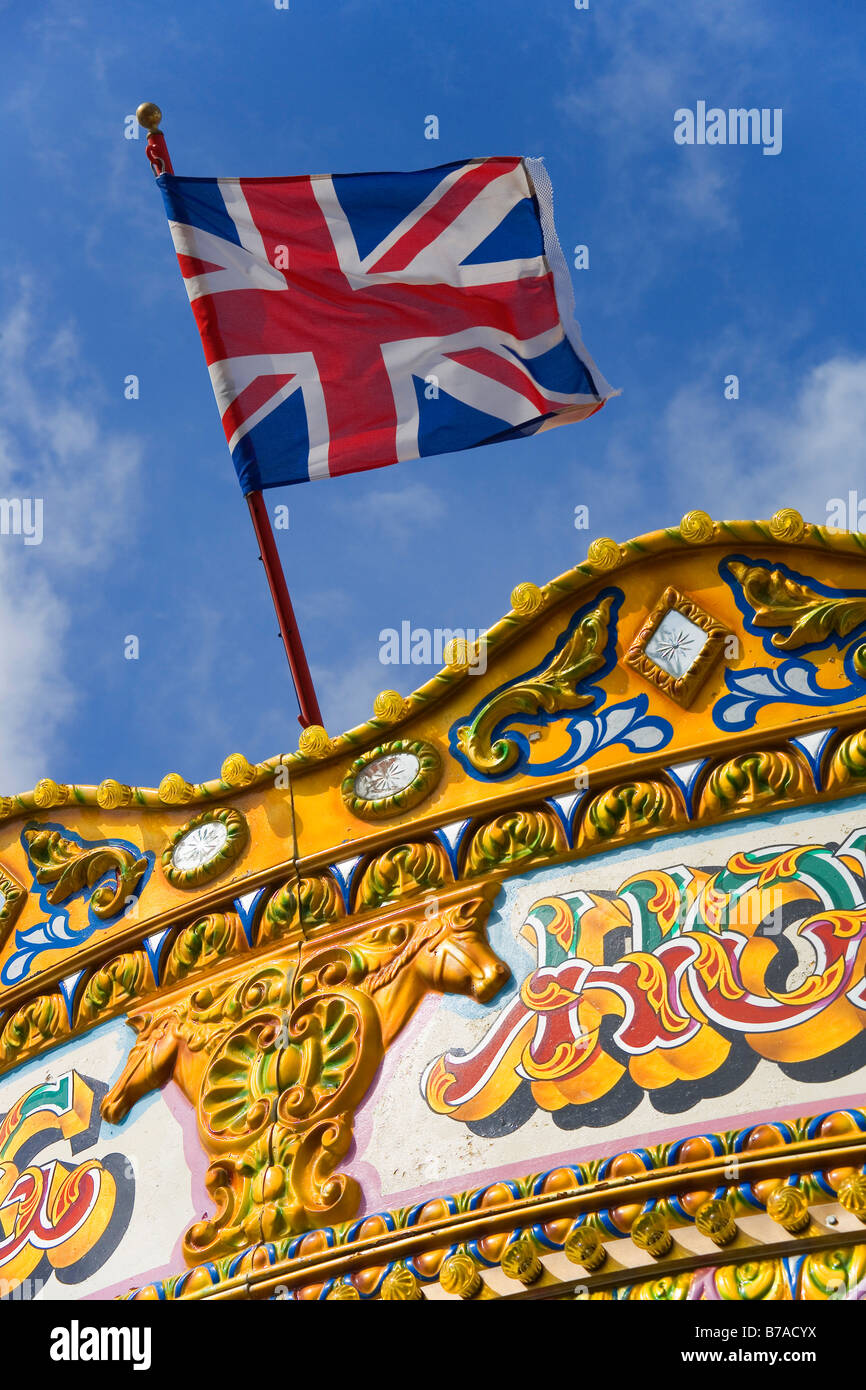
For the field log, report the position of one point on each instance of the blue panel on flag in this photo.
(446, 424)
(276, 450)
(559, 369)
(377, 203)
(517, 238)
(199, 203)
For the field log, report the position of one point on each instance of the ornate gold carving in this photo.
(229, 824)
(344, 1291)
(520, 1261)
(650, 1232)
(685, 687)
(575, 583)
(202, 944)
(123, 980)
(236, 771)
(376, 766)
(313, 741)
(460, 1275)
(553, 689)
(401, 1286)
(111, 794)
(790, 1207)
(852, 1194)
(70, 867)
(277, 1059)
(308, 901)
(715, 1220)
(389, 705)
(624, 811)
(458, 653)
(752, 780)
(402, 871)
(787, 525)
(781, 602)
(697, 527)
(512, 838)
(584, 1246)
(174, 790)
(12, 899)
(527, 599)
(604, 554)
(47, 794)
(41, 1020)
(848, 762)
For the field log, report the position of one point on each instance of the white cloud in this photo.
(392, 516)
(798, 446)
(52, 447)
(654, 59)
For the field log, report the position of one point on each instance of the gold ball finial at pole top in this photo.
(149, 115)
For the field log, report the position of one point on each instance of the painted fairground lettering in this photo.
(683, 976)
(59, 1219)
(22, 516)
(736, 126)
(77, 1343)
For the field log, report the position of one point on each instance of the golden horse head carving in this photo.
(277, 1058)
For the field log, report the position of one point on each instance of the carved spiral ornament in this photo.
(697, 527)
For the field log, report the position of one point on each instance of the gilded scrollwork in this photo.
(307, 901)
(625, 810)
(402, 871)
(778, 601)
(119, 983)
(516, 837)
(205, 942)
(554, 688)
(38, 1022)
(749, 781)
(70, 867)
(12, 899)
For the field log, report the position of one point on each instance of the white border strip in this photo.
(539, 182)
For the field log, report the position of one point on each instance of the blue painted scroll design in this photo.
(112, 872)
(836, 621)
(596, 726)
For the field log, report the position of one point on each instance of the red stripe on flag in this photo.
(257, 394)
(442, 214)
(491, 365)
(191, 265)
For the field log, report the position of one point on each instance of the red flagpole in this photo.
(270, 557)
(149, 117)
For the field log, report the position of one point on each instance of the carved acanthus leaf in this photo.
(71, 867)
(553, 689)
(778, 601)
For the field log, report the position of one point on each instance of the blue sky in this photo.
(704, 261)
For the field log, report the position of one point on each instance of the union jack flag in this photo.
(358, 320)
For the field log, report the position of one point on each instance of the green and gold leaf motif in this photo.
(778, 601)
(553, 689)
(71, 867)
